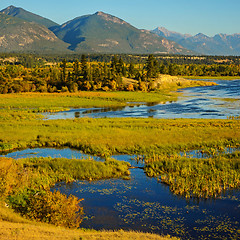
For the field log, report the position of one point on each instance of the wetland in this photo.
(144, 203)
(201, 118)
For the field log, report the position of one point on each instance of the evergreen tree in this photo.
(151, 67)
(131, 70)
(64, 72)
(76, 71)
(84, 68)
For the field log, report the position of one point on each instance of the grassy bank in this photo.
(40, 102)
(61, 101)
(111, 136)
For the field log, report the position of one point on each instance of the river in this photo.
(212, 102)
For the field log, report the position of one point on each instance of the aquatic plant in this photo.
(202, 178)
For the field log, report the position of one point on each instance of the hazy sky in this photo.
(186, 16)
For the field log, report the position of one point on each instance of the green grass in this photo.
(41, 102)
(37, 102)
(72, 169)
(35, 173)
(110, 136)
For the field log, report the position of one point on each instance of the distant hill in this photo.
(163, 32)
(17, 35)
(28, 16)
(220, 44)
(105, 33)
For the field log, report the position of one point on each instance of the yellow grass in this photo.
(24, 231)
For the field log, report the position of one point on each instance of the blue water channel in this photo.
(212, 102)
(145, 204)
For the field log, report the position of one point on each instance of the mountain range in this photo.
(220, 44)
(23, 31)
(105, 33)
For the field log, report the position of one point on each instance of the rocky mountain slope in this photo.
(17, 35)
(28, 16)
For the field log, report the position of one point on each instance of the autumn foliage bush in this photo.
(25, 186)
(50, 207)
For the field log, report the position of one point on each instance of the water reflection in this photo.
(197, 102)
(102, 110)
(49, 152)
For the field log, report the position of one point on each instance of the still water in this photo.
(213, 102)
(143, 203)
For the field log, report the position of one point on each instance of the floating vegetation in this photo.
(152, 215)
(162, 218)
(221, 227)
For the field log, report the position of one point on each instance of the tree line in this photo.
(87, 75)
(31, 60)
(80, 75)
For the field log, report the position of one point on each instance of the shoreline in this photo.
(212, 78)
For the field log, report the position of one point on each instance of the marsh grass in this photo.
(68, 170)
(21, 128)
(105, 137)
(41, 173)
(202, 178)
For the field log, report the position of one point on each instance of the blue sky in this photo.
(186, 16)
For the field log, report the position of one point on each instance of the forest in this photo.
(30, 73)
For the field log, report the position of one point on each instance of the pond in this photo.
(145, 204)
(212, 102)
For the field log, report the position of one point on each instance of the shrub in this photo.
(50, 207)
